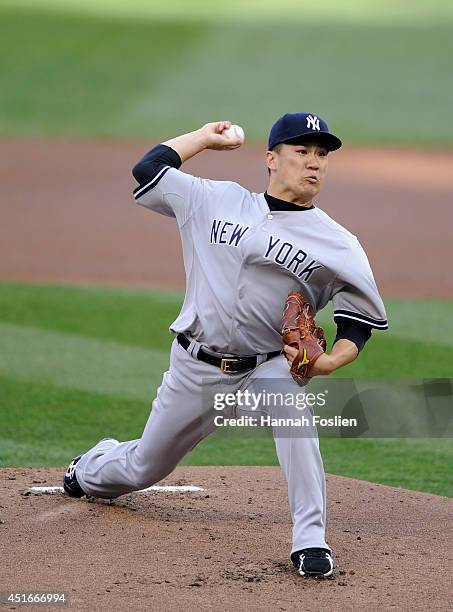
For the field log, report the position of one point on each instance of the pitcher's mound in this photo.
(225, 548)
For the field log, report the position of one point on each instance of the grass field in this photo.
(77, 364)
(379, 71)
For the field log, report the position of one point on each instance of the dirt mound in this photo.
(226, 547)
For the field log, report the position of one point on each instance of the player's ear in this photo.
(271, 160)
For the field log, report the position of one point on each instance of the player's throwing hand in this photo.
(222, 136)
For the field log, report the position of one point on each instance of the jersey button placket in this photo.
(269, 216)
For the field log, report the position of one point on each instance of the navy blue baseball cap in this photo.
(302, 127)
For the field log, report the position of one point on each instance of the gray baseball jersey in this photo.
(241, 261)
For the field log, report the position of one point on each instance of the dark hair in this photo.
(277, 147)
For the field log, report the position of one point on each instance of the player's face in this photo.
(298, 171)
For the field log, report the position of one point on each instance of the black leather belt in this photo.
(227, 363)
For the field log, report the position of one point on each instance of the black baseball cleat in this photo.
(70, 484)
(315, 562)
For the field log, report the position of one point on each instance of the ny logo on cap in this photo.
(313, 122)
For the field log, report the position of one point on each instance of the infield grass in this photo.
(378, 71)
(77, 364)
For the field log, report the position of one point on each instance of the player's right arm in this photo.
(209, 136)
(162, 187)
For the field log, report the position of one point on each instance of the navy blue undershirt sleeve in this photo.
(356, 332)
(150, 164)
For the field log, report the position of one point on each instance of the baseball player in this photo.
(244, 253)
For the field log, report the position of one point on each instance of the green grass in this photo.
(378, 11)
(134, 317)
(77, 364)
(141, 319)
(419, 464)
(35, 432)
(41, 423)
(379, 72)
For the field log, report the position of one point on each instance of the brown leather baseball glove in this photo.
(300, 331)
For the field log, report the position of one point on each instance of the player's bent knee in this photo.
(146, 477)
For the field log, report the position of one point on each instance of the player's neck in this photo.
(285, 196)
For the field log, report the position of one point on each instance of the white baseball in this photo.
(234, 132)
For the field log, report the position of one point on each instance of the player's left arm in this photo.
(358, 308)
(348, 343)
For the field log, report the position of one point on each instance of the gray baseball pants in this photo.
(183, 414)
